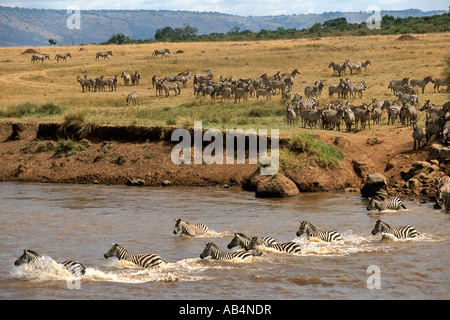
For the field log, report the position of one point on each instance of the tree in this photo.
(52, 42)
(119, 38)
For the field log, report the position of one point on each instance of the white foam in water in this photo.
(42, 269)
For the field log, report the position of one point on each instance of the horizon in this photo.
(250, 8)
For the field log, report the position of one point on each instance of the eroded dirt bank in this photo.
(115, 155)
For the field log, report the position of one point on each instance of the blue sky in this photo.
(237, 7)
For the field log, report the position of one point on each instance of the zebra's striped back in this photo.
(311, 232)
(243, 241)
(402, 232)
(190, 230)
(393, 203)
(212, 250)
(74, 267)
(288, 247)
(144, 260)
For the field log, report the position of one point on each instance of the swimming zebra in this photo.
(188, 229)
(393, 203)
(403, 232)
(143, 260)
(243, 241)
(288, 247)
(212, 250)
(29, 256)
(311, 232)
(417, 134)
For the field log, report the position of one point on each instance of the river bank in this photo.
(142, 156)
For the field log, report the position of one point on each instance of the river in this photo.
(81, 222)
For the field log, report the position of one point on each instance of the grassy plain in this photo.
(38, 84)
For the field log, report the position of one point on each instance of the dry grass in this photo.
(22, 81)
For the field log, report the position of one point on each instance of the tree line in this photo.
(333, 27)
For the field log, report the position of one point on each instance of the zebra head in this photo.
(177, 226)
(380, 226)
(371, 204)
(238, 240)
(209, 249)
(305, 226)
(27, 257)
(113, 252)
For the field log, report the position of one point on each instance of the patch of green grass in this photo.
(67, 147)
(324, 154)
(29, 109)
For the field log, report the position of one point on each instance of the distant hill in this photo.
(34, 27)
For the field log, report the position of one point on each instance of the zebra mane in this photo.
(383, 224)
(308, 224)
(241, 235)
(30, 251)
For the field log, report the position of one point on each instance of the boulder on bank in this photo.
(276, 186)
(375, 184)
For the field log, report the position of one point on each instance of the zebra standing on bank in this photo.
(191, 230)
(311, 232)
(443, 191)
(212, 250)
(287, 247)
(143, 260)
(29, 256)
(417, 134)
(421, 83)
(393, 203)
(243, 241)
(403, 232)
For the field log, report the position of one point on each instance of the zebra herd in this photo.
(246, 246)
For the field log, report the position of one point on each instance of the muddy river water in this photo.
(81, 222)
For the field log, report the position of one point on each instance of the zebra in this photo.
(62, 56)
(85, 83)
(443, 191)
(143, 260)
(163, 52)
(287, 247)
(402, 232)
(126, 78)
(29, 256)
(349, 117)
(393, 112)
(417, 134)
(392, 203)
(133, 97)
(314, 90)
(394, 84)
(212, 250)
(359, 88)
(291, 116)
(188, 229)
(103, 54)
(438, 82)
(243, 241)
(365, 64)
(339, 68)
(41, 57)
(353, 66)
(421, 83)
(311, 232)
